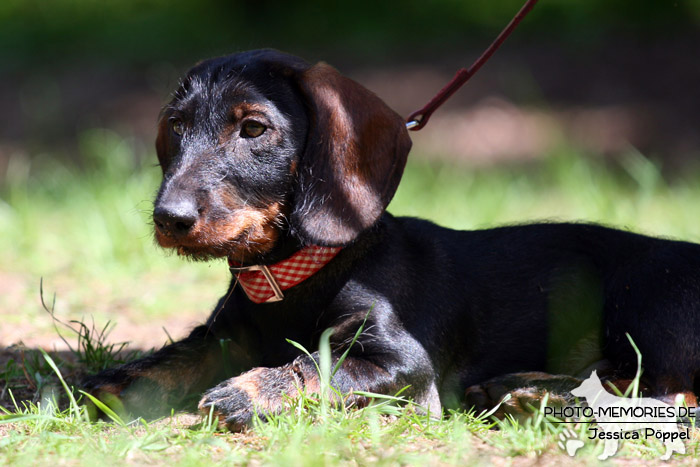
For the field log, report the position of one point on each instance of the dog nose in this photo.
(175, 219)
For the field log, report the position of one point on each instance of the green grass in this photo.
(311, 432)
(87, 233)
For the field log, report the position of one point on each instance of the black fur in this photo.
(445, 310)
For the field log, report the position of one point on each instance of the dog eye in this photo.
(252, 129)
(178, 127)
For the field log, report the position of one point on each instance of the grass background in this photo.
(81, 82)
(87, 231)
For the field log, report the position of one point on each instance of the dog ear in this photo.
(355, 154)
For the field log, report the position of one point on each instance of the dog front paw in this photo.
(260, 392)
(232, 406)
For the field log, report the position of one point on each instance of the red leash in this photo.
(419, 118)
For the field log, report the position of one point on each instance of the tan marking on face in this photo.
(293, 167)
(246, 109)
(165, 241)
(246, 232)
(240, 111)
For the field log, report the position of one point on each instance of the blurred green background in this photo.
(588, 112)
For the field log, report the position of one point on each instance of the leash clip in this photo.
(412, 123)
(268, 276)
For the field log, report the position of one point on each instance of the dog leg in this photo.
(526, 390)
(263, 391)
(168, 378)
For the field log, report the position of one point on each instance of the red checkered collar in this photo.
(264, 284)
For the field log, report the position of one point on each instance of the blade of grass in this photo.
(638, 375)
(74, 407)
(354, 339)
(105, 408)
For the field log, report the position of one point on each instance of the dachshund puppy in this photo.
(285, 169)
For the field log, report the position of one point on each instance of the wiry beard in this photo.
(239, 252)
(248, 246)
(197, 255)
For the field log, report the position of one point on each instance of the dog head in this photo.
(260, 146)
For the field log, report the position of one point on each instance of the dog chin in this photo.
(210, 253)
(236, 248)
(198, 254)
(192, 251)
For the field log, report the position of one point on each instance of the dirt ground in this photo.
(29, 327)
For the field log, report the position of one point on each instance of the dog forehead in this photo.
(252, 66)
(249, 76)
